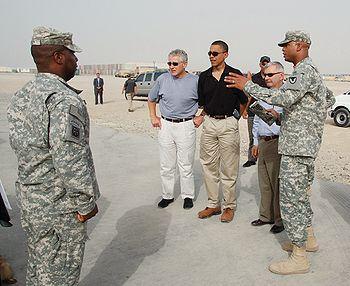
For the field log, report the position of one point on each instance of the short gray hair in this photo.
(180, 53)
(278, 65)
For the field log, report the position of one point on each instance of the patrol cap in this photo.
(49, 36)
(296, 36)
(265, 59)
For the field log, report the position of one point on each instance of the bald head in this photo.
(42, 55)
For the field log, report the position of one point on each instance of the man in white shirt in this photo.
(266, 147)
(176, 92)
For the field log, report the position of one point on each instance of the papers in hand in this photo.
(4, 197)
(260, 111)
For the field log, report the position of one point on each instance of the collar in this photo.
(210, 71)
(306, 61)
(56, 77)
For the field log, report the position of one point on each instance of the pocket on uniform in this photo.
(64, 246)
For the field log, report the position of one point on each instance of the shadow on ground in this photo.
(141, 232)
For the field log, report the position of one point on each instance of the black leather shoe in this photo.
(188, 203)
(5, 223)
(249, 163)
(277, 228)
(259, 222)
(164, 203)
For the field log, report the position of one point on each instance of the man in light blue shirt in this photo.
(266, 147)
(177, 95)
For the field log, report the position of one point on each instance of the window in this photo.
(148, 77)
(157, 74)
(140, 77)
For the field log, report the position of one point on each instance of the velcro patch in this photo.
(73, 110)
(74, 130)
(292, 79)
(293, 83)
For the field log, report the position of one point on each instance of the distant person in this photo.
(305, 99)
(56, 185)
(98, 88)
(265, 147)
(176, 91)
(219, 143)
(129, 89)
(247, 114)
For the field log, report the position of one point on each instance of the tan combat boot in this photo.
(311, 242)
(297, 263)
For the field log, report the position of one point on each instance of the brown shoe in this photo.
(208, 212)
(227, 215)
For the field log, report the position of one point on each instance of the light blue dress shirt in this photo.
(261, 128)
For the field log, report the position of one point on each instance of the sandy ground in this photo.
(333, 162)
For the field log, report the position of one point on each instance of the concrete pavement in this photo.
(135, 243)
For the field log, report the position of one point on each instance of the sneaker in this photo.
(164, 203)
(188, 203)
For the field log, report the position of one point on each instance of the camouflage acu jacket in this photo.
(305, 100)
(49, 132)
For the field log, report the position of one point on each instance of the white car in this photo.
(340, 111)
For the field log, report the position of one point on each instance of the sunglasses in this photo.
(214, 54)
(175, 64)
(271, 74)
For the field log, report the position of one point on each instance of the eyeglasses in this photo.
(271, 74)
(175, 64)
(214, 54)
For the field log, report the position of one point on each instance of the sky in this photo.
(121, 31)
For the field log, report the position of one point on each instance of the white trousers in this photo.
(177, 144)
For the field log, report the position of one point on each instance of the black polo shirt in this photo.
(215, 97)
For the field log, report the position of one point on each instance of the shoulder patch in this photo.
(74, 130)
(73, 110)
(293, 82)
(292, 79)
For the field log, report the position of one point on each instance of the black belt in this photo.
(177, 120)
(219, 116)
(268, 138)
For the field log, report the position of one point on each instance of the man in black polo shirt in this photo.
(247, 114)
(219, 144)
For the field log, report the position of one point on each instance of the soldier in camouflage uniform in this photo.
(305, 100)
(56, 186)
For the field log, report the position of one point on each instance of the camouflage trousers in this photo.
(55, 249)
(296, 176)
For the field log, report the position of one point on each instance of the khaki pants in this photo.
(268, 172)
(219, 155)
(130, 97)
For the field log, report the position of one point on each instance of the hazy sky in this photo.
(123, 31)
